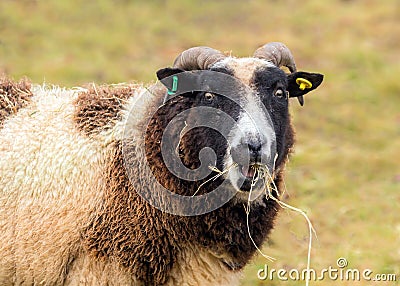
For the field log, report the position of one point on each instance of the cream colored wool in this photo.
(51, 182)
(197, 267)
(46, 193)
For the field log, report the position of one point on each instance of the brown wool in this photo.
(69, 203)
(13, 96)
(99, 107)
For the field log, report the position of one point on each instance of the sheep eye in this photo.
(279, 93)
(209, 96)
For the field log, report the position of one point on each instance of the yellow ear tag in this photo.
(303, 83)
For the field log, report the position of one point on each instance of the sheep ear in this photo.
(300, 83)
(165, 76)
(166, 72)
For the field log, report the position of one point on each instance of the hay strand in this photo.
(213, 178)
(284, 205)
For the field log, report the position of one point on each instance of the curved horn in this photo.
(198, 58)
(278, 54)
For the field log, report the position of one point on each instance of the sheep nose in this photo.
(247, 152)
(254, 147)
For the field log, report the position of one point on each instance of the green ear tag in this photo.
(174, 85)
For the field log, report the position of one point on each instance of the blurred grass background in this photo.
(345, 171)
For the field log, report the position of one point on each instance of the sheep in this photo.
(82, 173)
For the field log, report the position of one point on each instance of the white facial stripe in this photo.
(253, 123)
(243, 67)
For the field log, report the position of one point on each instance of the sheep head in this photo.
(252, 92)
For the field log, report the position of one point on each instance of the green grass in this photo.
(345, 171)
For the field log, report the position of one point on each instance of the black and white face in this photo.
(260, 135)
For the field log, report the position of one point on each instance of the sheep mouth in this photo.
(248, 171)
(251, 177)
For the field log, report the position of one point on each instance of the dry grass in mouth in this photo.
(257, 175)
(262, 172)
(213, 178)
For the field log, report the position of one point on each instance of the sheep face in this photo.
(239, 109)
(260, 133)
